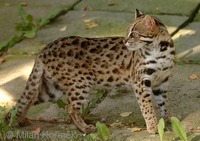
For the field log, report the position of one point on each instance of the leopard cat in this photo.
(71, 66)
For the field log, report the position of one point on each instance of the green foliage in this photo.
(161, 127)
(178, 128)
(4, 128)
(60, 103)
(27, 27)
(10, 42)
(99, 93)
(102, 134)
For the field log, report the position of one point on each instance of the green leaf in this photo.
(13, 116)
(178, 128)
(91, 137)
(86, 109)
(30, 33)
(2, 111)
(103, 132)
(60, 103)
(10, 42)
(29, 18)
(22, 13)
(161, 127)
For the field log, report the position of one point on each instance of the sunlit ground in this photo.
(10, 73)
(184, 32)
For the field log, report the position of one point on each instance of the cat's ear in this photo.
(138, 13)
(150, 23)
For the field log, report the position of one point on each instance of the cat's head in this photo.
(143, 31)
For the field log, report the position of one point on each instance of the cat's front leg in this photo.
(143, 92)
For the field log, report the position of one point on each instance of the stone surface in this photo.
(187, 42)
(37, 10)
(104, 18)
(197, 18)
(175, 7)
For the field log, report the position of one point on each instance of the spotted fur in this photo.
(71, 66)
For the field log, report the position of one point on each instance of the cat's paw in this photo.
(88, 129)
(152, 129)
(24, 122)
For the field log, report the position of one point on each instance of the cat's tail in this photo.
(27, 98)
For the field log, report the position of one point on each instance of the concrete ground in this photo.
(107, 18)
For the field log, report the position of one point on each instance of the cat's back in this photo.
(74, 49)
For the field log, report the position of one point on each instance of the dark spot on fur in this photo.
(105, 46)
(114, 48)
(161, 104)
(126, 79)
(74, 98)
(149, 71)
(77, 94)
(147, 83)
(122, 65)
(147, 53)
(76, 65)
(110, 79)
(164, 43)
(157, 92)
(28, 97)
(76, 56)
(129, 64)
(33, 83)
(61, 55)
(117, 57)
(161, 57)
(81, 53)
(81, 98)
(93, 50)
(84, 44)
(172, 52)
(110, 55)
(70, 70)
(75, 41)
(151, 62)
(116, 71)
(165, 80)
(165, 68)
(146, 95)
(27, 87)
(51, 95)
(70, 53)
(84, 66)
(60, 65)
(88, 78)
(57, 68)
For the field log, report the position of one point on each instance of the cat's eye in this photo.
(133, 35)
